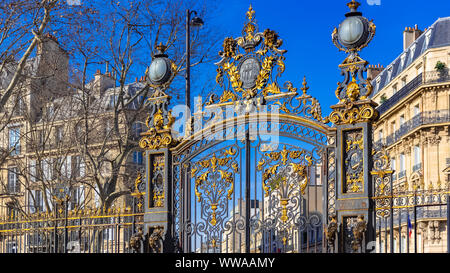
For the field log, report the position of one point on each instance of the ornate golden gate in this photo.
(255, 168)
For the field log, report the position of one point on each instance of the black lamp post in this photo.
(195, 22)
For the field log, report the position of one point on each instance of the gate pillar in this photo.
(157, 141)
(353, 117)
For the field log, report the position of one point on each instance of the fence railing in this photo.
(82, 231)
(405, 219)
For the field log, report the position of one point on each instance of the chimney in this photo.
(410, 35)
(102, 82)
(374, 70)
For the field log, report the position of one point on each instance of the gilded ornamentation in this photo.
(139, 188)
(354, 92)
(156, 192)
(136, 240)
(155, 239)
(353, 161)
(214, 182)
(159, 123)
(358, 233)
(382, 177)
(331, 231)
(353, 114)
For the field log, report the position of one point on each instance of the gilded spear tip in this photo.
(353, 5)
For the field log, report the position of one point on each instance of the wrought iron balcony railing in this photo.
(423, 78)
(404, 91)
(424, 118)
(437, 77)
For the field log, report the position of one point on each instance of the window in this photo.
(113, 100)
(380, 135)
(416, 110)
(394, 89)
(137, 157)
(13, 180)
(403, 244)
(50, 112)
(136, 129)
(417, 162)
(78, 166)
(11, 210)
(109, 129)
(18, 107)
(393, 127)
(393, 165)
(58, 134)
(411, 52)
(403, 81)
(47, 169)
(389, 74)
(77, 197)
(14, 141)
(402, 61)
(78, 130)
(33, 170)
(96, 197)
(402, 171)
(402, 120)
(35, 201)
(66, 167)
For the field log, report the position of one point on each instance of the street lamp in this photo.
(355, 32)
(195, 22)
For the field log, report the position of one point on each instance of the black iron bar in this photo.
(415, 224)
(247, 192)
(399, 230)
(448, 224)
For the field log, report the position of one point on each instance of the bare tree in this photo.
(81, 129)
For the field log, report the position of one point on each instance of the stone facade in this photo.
(414, 98)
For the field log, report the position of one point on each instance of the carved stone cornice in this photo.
(434, 139)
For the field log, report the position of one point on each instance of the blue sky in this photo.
(306, 26)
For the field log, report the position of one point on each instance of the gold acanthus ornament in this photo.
(353, 114)
(214, 190)
(159, 134)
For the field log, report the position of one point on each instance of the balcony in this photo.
(403, 92)
(422, 79)
(424, 118)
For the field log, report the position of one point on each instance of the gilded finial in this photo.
(250, 13)
(161, 48)
(353, 5)
(305, 87)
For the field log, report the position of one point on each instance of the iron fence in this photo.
(405, 219)
(78, 231)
